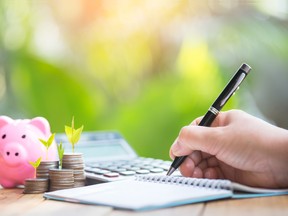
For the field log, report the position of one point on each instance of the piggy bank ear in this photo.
(5, 120)
(42, 124)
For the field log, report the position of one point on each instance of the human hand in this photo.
(237, 146)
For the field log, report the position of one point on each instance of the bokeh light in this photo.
(144, 68)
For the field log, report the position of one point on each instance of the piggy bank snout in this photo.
(14, 153)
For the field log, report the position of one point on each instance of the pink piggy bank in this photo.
(19, 144)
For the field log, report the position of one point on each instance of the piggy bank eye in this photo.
(3, 136)
(23, 136)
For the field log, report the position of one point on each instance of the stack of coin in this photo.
(79, 177)
(61, 179)
(43, 168)
(75, 161)
(35, 185)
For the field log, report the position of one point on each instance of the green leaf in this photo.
(32, 163)
(77, 134)
(48, 143)
(36, 163)
(50, 140)
(72, 134)
(43, 142)
(60, 150)
(69, 133)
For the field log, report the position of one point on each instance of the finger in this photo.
(187, 167)
(179, 149)
(219, 121)
(197, 173)
(205, 169)
(196, 121)
(196, 157)
(207, 163)
(205, 155)
(210, 173)
(216, 123)
(171, 153)
(209, 167)
(203, 165)
(213, 173)
(193, 138)
(212, 162)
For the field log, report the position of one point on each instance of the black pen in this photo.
(213, 111)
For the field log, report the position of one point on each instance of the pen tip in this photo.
(170, 171)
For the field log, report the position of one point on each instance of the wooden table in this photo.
(14, 202)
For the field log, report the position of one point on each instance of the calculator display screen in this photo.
(99, 146)
(100, 150)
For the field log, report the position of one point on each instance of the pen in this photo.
(229, 90)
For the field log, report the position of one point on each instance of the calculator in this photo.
(109, 157)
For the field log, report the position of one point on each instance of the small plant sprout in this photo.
(60, 153)
(48, 143)
(73, 134)
(36, 164)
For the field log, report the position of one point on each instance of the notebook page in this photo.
(140, 195)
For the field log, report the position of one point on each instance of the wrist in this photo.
(280, 171)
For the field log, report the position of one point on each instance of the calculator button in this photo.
(94, 165)
(148, 167)
(107, 167)
(128, 173)
(111, 175)
(156, 164)
(119, 170)
(100, 171)
(164, 166)
(142, 171)
(89, 169)
(146, 162)
(126, 166)
(112, 168)
(134, 168)
(156, 170)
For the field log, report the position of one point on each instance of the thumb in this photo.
(191, 138)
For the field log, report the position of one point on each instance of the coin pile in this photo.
(35, 185)
(43, 168)
(75, 162)
(61, 179)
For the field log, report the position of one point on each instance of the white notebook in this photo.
(153, 192)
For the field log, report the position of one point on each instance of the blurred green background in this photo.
(144, 68)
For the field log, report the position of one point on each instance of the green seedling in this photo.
(36, 164)
(73, 134)
(60, 148)
(48, 143)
